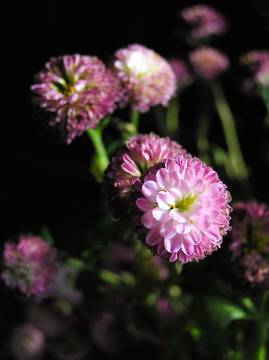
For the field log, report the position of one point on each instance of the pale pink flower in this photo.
(183, 76)
(131, 160)
(249, 245)
(30, 266)
(208, 63)
(146, 77)
(181, 210)
(258, 63)
(27, 342)
(77, 91)
(204, 21)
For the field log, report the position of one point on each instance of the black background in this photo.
(45, 183)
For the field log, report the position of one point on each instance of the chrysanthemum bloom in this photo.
(258, 63)
(183, 76)
(181, 210)
(146, 78)
(30, 266)
(208, 63)
(249, 245)
(27, 342)
(205, 22)
(78, 91)
(131, 160)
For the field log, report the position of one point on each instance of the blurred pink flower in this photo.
(249, 244)
(78, 91)
(258, 63)
(205, 22)
(183, 76)
(208, 63)
(146, 78)
(30, 266)
(182, 209)
(132, 159)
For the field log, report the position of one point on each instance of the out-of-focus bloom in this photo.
(146, 78)
(30, 266)
(205, 22)
(166, 309)
(181, 209)
(258, 63)
(249, 245)
(65, 284)
(27, 342)
(183, 76)
(208, 63)
(132, 159)
(78, 91)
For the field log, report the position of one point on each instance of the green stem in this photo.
(135, 119)
(100, 160)
(172, 118)
(237, 162)
(262, 328)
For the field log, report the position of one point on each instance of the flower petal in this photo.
(150, 190)
(161, 215)
(173, 244)
(153, 237)
(144, 204)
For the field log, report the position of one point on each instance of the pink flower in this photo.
(258, 63)
(131, 160)
(208, 62)
(249, 245)
(30, 266)
(146, 78)
(181, 210)
(183, 76)
(78, 91)
(205, 22)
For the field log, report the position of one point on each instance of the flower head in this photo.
(146, 78)
(183, 76)
(78, 91)
(30, 266)
(258, 63)
(208, 62)
(131, 160)
(205, 22)
(181, 209)
(249, 245)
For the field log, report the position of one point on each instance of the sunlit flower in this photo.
(208, 63)
(249, 245)
(132, 159)
(183, 76)
(183, 209)
(204, 21)
(146, 78)
(258, 63)
(78, 91)
(27, 342)
(30, 266)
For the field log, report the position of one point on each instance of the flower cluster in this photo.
(30, 266)
(132, 159)
(183, 209)
(205, 22)
(146, 78)
(78, 91)
(249, 244)
(208, 62)
(258, 63)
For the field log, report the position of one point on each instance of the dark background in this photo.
(45, 183)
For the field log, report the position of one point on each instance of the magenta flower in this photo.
(258, 63)
(146, 78)
(249, 245)
(183, 76)
(208, 63)
(30, 266)
(78, 91)
(204, 21)
(132, 159)
(181, 210)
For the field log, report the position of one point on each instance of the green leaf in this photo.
(46, 235)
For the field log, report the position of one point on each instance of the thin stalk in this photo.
(172, 117)
(262, 326)
(236, 158)
(101, 159)
(135, 119)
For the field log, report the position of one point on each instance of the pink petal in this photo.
(167, 230)
(150, 190)
(161, 215)
(187, 247)
(165, 200)
(178, 216)
(194, 236)
(212, 232)
(203, 222)
(173, 244)
(148, 220)
(144, 204)
(160, 177)
(182, 228)
(153, 237)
